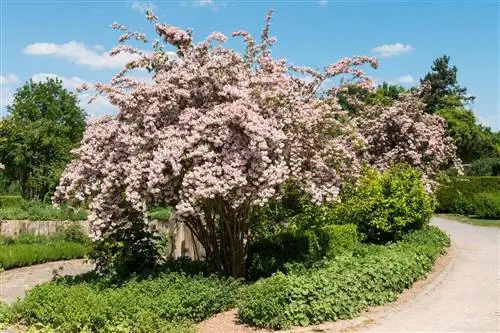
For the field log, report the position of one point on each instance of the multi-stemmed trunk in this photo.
(224, 232)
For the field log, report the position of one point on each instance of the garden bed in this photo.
(172, 302)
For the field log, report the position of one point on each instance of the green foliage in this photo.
(268, 255)
(168, 302)
(386, 205)
(338, 239)
(43, 125)
(473, 140)
(30, 249)
(15, 209)
(131, 249)
(485, 167)
(372, 275)
(465, 195)
(11, 201)
(486, 205)
(160, 213)
(445, 92)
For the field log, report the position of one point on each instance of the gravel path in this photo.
(465, 297)
(15, 282)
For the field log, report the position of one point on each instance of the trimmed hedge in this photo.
(168, 302)
(20, 255)
(30, 249)
(342, 288)
(485, 167)
(478, 196)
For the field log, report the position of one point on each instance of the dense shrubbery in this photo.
(16, 208)
(29, 249)
(168, 302)
(371, 275)
(485, 167)
(386, 205)
(274, 253)
(478, 196)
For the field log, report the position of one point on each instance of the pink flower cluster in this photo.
(404, 132)
(215, 126)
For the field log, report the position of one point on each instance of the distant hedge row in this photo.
(477, 196)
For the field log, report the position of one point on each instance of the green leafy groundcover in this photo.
(341, 288)
(28, 249)
(166, 302)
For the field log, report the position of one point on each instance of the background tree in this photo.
(444, 92)
(43, 124)
(473, 140)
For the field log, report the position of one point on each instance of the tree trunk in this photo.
(224, 234)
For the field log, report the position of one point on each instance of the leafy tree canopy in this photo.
(44, 123)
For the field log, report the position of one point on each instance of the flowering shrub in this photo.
(404, 133)
(215, 136)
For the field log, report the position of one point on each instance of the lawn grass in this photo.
(470, 220)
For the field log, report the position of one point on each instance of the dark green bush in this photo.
(485, 167)
(156, 304)
(386, 205)
(486, 205)
(461, 195)
(372, 275)
(129, 249)
(272, 254)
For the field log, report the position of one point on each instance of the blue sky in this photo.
(69, 39)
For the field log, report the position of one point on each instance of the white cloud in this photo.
(79, 54)
(100, 106)
(142, 6)
(9, 79)
(203, 3)
(405, 79)
(68, 83)
(323, 2)
(98, 47)
(392, 50)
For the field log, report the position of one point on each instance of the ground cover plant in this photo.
(341, 288)
(29, 249)
(164, 302)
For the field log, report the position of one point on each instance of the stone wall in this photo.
(182, 243)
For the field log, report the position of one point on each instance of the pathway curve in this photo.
(465, 297)
(15, 282)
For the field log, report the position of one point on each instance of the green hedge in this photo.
(485, 167)
(19, 255)
(372, 275)
(168, 302)
(478, 196)
(30, 249)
